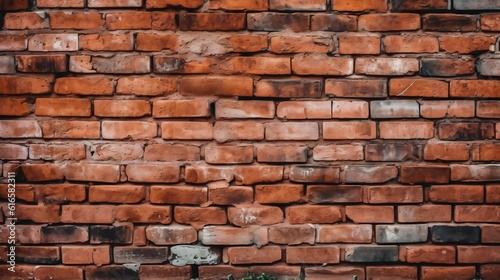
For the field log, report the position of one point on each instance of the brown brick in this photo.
(281, 193)
(456, 194)
(410, 44)
(231, 196)
(250, 255)
(424, 174)
(359, 5)
(302, 44)
(116, 193)
(354, 43)
(222, 86)
(261, 65)
(248, 42)
(465, 44)
(181, 108)
(335, 23)
(424, 213)
(232, 5)
(443, 67)
(366, 88)
(192, 4)
(449, 23)
(268, 21)
(419, 5)
(466, 131)
(13, 42)
(27, 20)
(113, 3)
(388, 22)
(288, 88)
(212, 21)
(199, 217)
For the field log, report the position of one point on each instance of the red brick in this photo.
(232, 5)
(204, 174)
(475, 88)
(392, 152)
(221, 271)
(261, 65)
(406, 130)
(391, 272)
(333, 194)
(24, 85)
(13, 42)
(359, 5)
(62, 107)
(121, 108)
(304, 110)
(156, 42)
(243, 216)
(128, 130)
(119, 152)
(212, 21)
(386, 66)
(107, 42)
(429, 254)
(14, 107)
(297, 5)
(97, 255)
(280, 193)
(322, 65)
(490, 272)
(228, 131)
(450, 109)
(477, 213)
(12, 151)
(490, 22)
(116, 193)
(465, 44)
(336, 23)
(118, 64)
(190, 4)
(492, 193)
(350, 109)
(338, 152)
(449, 23)
(366, 88)
(392, 194)
(19, 129)
(458, 273)
(60, 193)
(181, 108)
(228, 235)
(170, 64)
(289, 88)
(60, 4)
(250, 255)
(249, 175)
(222, 86)
(229, 109)
(27, 20)
(344, 233)
(113, 3)
(153, 173)
(313, 254)
(87, 214)
(302, 44)
(247, 42)
(349, 130)
(53, 42)
(466, 131)
(411, 174)
(188, 130)
(410, 44)
(370, 214)
(488, 109)
(478, 254)
(456, 194)
(128, 20)
(292, 131)
(106, 173)
(58, 272)
(446, 151)
(41, 63)
(332, 272)
(10, 5)
(84, 86)
(313, 214)
(75, 20)
(359, 44)
(424, 213)
(38, 254)
(145, 86)
(169, 152)
(170, 235)
(314, 174)
(443, 67)
(490, 234)
(231, 196)
(41, 172)
(288, 153)
(228, 154)
(388, 22)
(178, 195)
(419, 5)
(278, 22)
(200, 217)
(38, 213)
(292, 234)
(144, 213)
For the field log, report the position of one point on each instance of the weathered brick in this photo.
(242, 216)
(312, 214)
(313, 254)
(228, 154)
(212, 21)
(336, 23)
(333, 194)
(13, 42)
(60, 193)
(394, 109)
(247, 42)
(392, 272)
(388, 22)
(64, 234)
(192, 4)
(489, 67)
(490, 22)
(477, 213)
(314, 174)
(458, 272)
(392, 194)
(75, 20)
(418, 5)
(292, 131)
(229, 109)
(366, 88)
(26, 20)
(169, 64)
(153, 173)
(349, 130)
(302, 44)
(424, 213)
(222, 86)
(249, 255)
(449, 23)
(97, 255)
(244, 130)
(60, 4)
(292, 234)
(13, 151)
(88, 214)
(465, 44)
(395, 234)
(450, 109)
(455, 234)
(334, 271)
(475, 88)
(181, 108)
(418, 88)
(370, 214)
(466, 131)
(231, 196)
(444, 67)
(20, 129)
(53, 42)
(369, 173)
(367, 253)
(391, 152)
(386, 66)
(84, 86)
(113, 3)
(410, 44)
(121, 108)
(120, 233)
(24, 85)
(322, 65)
(429, 254)
(406, 130)
(456, 194)
(344, 233)
(268, 21)
(280, 193)
(144, 213)
(159, 42)
(199, 217)
(178, 195)
(231, 5)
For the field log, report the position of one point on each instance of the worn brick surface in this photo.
(201, 138)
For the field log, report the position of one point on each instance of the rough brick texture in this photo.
(322, 139)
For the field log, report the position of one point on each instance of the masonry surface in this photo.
(318, 139)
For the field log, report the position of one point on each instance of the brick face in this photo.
(319, 138)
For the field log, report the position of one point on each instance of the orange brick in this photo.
(116, 193)
(388, 22)
(84, 86)
(410, 44)
(424, 213)
(292, 131)
(212, 21)
(23, 85)
(121, 108)
(322, 65)
(145, 86)
(71, 129)
(312, 254)
(359, 44)
(359, 5)
(261, 65)
(248, 42)
(406, 130)
(14, 107)
(349, 130)
(302, 44)
(232, 5)
(450, 109)
(75, 20)
(27, 20)
(130, 129)
(222, 86)
(465, 44)
(187, 130)
(250, 255)
(88, 214)
(97, 255)
(153, 173)
(228, 154)
(247, 130)
(156, 42)
(107, 42)
(62, 107)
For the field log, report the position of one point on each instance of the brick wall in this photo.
(202, 138)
